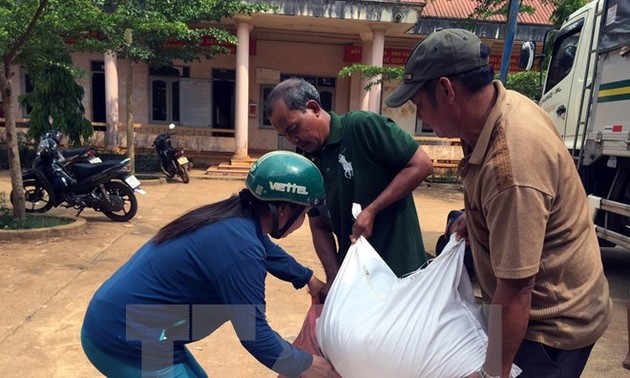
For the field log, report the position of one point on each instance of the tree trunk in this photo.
(131, 153)
(111, 91)
(12, 144)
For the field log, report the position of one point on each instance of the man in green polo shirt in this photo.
(365, 158)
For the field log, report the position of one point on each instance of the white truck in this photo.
(587, 92)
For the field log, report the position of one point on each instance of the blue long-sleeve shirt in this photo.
(182, 290)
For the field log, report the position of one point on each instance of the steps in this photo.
(235, 169)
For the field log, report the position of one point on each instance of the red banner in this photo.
(398, 57)
(352, 54)
(393, 57)
(207, 40)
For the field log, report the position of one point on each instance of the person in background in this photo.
(365, 158)
(535, 251)
(203, 269)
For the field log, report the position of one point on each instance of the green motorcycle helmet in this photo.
(286, 176)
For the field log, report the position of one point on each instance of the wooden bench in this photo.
(445, 153)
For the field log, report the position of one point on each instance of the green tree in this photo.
(525, 82)
(373, 74)
(562, 9)
(57, 96)
(27, 29)
(163, 30)
(157, 32)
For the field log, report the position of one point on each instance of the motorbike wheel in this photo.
(37, 198)
(182, 172)
(130, 203)
(167, 173)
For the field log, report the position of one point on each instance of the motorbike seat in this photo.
(75, 151)
(82, 170)
(172, 151)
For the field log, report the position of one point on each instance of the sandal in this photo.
(625, 365)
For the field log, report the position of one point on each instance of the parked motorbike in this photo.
(71, 156)
(172, 159)
(107, 187)
(79, 155)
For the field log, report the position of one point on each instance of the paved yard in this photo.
(45, 285)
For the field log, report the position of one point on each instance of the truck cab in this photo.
(586, 91)
(566, 88)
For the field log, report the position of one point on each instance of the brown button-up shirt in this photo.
(527, 215)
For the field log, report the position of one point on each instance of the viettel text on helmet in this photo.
(288, 188)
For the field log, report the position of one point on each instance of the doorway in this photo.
(223, 101)
(98, 97)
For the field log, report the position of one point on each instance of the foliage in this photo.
(488, 8)
(163, 31)
(375, 75)
(146, 160)
(148, 163)
(45, 57)
(27, 156)
(525, 82)
(562, 9)
(57, 95)
(158, 32)
(9, 222)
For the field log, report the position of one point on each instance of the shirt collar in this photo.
(336, 130)
(481, 147)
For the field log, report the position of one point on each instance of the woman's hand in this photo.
(314, 286)
(320, 368)
(323, 292)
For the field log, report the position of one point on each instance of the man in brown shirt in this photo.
(534, 245)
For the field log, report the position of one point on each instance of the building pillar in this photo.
(241, 127)
(354, 94)
(378, 47)
(111, 101)
(366, 59)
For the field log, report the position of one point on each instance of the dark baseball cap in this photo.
(443, 53)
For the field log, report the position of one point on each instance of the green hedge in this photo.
(145, 163)
(26, 157)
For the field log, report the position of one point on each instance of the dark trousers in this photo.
(542, 361)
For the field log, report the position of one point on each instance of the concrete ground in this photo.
(46, 284)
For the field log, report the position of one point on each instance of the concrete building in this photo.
(218, 102)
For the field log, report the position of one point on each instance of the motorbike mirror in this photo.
(171, 126)
(526, 58)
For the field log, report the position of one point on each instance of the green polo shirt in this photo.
(363, 154)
